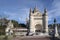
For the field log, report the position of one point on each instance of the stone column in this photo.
(45, 20)
(56, 31)
(46, 24)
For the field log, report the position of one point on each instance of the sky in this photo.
(19, 9)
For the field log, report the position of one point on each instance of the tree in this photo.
(15, 23)
(22, 25)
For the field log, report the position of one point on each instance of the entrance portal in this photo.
(38, 28)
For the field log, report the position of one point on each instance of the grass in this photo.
(4, 37)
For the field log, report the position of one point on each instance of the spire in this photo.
(35, 9)
(30, 10)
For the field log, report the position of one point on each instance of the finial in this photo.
(45, 10)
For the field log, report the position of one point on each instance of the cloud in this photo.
(19, 16)
(55, 11)
(19, 9)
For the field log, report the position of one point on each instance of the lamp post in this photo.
(53, 31)
(54, 26)
(56, 30)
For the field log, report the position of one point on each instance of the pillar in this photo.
(56, 31)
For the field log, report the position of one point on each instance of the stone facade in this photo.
(38, 21)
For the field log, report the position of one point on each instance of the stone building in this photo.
(38, 22)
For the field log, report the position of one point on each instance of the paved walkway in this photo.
(31, 38)
(34, 38)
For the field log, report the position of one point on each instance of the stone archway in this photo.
(38, 28)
